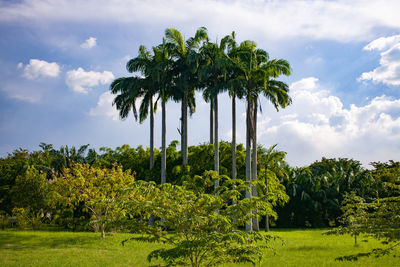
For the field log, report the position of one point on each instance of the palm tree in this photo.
(242, 59)
(185, 81)
(131, 89)
(162, 72)
(256, 74)
(70, 156)
(213, 77)
(235, 90)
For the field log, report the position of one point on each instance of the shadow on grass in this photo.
(288, 230)
(310, 248)
(29, 240)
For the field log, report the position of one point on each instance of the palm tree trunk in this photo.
(163, 145)
(151, 134)
(234, 171)
(248, 226)
(211, 122)
(216, 145)
(184, 128)
(181, 130)
(254, 161)
(185, 159)
(151, 219)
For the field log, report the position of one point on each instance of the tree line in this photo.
(312, 196)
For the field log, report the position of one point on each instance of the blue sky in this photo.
(57, 59)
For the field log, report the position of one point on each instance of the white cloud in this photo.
(80, 80)
(89, 43)
(309, 83)
(40, 68)
(279, 19)
(383, 43)
(318, 125)
(389, 70)
(104, 107)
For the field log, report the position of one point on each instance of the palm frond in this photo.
(174, 37)
(200, 35)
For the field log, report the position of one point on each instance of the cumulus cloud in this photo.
(80, 80)
(317, 125)
(315, 19)
(104, 107)
(89, 43)
(383, 43)
(389, 70)
(40, 68)
(309, 83)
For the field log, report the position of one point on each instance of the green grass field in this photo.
(55, 248)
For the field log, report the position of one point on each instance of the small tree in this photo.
(205, 225)
(354, 218)
(97, 189)
(379, 218)
(273, 190)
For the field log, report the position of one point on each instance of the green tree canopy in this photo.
(98, 190)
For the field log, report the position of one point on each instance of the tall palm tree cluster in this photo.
(176, 68)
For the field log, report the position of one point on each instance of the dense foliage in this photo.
(316, 192)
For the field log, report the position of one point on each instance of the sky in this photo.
(58, 58)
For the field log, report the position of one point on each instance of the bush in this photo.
(27, 218)
(31, 190)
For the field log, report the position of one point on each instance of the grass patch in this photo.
(50, 248)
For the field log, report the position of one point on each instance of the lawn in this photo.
(58, 248)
